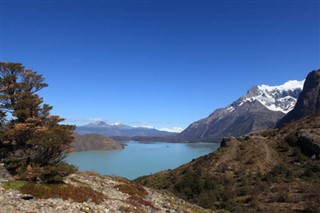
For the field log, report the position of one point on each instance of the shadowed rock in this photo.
(308, 102)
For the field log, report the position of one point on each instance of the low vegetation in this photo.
(262, 172)
(138, 201)
(64, 191)
(15, 184)
(132, 189)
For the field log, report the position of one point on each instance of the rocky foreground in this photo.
(119, 195)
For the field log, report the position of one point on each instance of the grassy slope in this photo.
(264, 171)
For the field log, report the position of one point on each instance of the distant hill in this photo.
(94, 142)
(259, 109)
(119, 130)
(275, 170)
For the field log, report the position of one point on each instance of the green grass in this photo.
(14, 184)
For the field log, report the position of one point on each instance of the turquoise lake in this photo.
(138, 159)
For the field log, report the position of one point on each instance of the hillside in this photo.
(265, 172)
(94, 142)
(88, 193)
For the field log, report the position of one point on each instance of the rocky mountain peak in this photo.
(276, 98)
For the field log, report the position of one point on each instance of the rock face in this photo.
(309, 100)
(259, 109)
(94, 142)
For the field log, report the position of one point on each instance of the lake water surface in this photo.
(138, 159)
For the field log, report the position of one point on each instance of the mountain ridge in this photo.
(259, 109)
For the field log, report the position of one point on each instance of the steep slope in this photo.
(93, 142)
(309, 100)
(119, 130)
(259, 109)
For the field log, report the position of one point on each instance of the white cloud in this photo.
(172, 129)
(145, 126)
(167, 129)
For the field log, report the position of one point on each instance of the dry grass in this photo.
(64, 191)
(138, 202)
(132, 189)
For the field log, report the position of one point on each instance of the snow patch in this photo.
(230, 109)
(278, 98)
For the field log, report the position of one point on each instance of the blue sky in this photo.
(158, 63)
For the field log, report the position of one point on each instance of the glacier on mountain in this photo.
(276, 98)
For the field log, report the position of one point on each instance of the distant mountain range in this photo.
(260, 108)
(119, 130)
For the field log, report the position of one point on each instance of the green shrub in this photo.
(280, 173)
(312, 171)
(48, 174)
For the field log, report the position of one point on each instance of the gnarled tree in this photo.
(32, 142)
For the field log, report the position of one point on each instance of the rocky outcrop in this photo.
(94, 142)
(308, 102)
(309, 141)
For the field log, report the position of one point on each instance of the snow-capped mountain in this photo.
(259, 109)
(119, 130)
(276, 98)
(103, 124)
